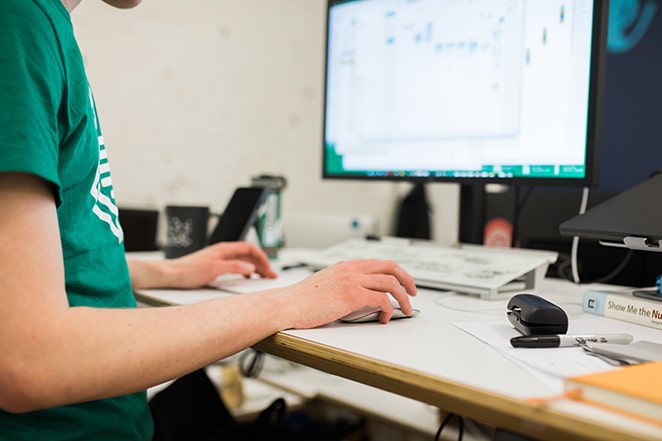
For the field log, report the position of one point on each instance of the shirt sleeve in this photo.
(32, 85)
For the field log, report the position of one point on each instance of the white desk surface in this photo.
(431, 348)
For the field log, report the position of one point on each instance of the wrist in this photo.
(149, 273)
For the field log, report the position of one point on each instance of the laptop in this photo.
(632, 219)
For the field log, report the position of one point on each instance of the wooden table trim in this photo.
(538, 422)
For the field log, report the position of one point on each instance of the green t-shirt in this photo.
(49, 128)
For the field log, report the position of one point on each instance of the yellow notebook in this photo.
(633, 390)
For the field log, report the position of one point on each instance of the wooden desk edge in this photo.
(538, 422)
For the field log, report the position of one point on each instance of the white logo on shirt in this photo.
(102, 188)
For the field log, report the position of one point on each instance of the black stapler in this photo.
(533, 315)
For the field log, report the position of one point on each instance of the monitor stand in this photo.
(473, 201)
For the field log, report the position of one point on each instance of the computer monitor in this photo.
(466, 91)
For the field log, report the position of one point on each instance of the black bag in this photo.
(190, 409)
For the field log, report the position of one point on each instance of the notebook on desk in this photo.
(630, 219)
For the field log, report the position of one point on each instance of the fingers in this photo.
(388, 267)
(246, 252)
(380, 278)
(390, 277)
(384, 284)
(236, 267)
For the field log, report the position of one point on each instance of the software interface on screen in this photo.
(458, 88)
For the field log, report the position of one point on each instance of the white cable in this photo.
(575, 239)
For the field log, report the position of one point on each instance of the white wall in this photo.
(196, 97)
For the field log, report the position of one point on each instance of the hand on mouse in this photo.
(347, 286)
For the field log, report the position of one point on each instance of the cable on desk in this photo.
(575, 250)
(575, 239)
(460, 426)
(474, 304)
(251, 363)
(564, 263)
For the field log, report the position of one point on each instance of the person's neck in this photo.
(70, 4)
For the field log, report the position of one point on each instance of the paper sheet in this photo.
(552, 365)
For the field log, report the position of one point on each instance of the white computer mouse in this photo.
(371, 314)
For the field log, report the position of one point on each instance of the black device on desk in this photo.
(239, 215)
(533, 315)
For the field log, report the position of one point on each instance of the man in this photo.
(75, 353)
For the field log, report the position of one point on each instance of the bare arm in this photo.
(52, 354)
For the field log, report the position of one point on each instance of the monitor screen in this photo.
(465, 90)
